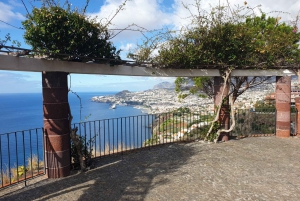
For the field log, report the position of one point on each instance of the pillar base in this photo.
(55, 173)
(282, 133)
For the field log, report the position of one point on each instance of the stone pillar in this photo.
(283, 106)
(224, 118)
(297, 126)
(56, 124)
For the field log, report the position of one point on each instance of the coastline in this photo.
(156, 101)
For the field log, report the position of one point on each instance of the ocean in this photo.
(25, 110)
(19, 112)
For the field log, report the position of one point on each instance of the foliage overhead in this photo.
(67, 34)
(226, 37)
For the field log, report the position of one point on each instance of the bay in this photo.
(20, 112)
(25, 111)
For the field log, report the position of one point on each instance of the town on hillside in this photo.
(163, 98)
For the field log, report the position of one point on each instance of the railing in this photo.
(294, 120)
(259, 122)
(110, 136)
(21, 156)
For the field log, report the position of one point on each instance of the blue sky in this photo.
(150, 14)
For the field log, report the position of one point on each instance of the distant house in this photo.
(295, 92)
(270, 98)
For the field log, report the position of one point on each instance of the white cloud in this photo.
(156, 14)
(128, 47)
(289, 6)
(8, 15)
(147, 14)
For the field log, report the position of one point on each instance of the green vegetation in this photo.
(152, 141)
(261, 105)
(168, 125)
(67, 34)
(225, 37)
(260, 121)
(181, 111)
(59, 32)
(81, 150)
(179, 125)
(86, 151)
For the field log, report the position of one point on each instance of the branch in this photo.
(121, 7)
(233, 121)
(86, 5)
(241, 84)
(227, 75)
(127, 29)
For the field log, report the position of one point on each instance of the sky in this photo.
(149, 14)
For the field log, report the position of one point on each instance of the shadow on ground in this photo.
(114, 178)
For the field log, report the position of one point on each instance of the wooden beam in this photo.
(13, 63)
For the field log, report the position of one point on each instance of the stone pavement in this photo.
(265, 168)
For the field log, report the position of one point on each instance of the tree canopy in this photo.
(67, 34)
(227, 37)
(257, 42)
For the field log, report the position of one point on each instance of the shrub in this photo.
(66, 34)
(85, 150)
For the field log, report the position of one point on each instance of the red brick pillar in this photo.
(283, 106)
(224, 113)
(297, 126)
(56, 124)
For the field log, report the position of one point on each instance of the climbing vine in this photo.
(225, 37)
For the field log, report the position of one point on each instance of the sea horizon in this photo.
(70, 92)
(23, 111)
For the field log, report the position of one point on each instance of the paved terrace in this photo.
(266, 168)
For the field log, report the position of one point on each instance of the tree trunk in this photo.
(221, 90)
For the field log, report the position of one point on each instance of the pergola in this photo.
(56, 106)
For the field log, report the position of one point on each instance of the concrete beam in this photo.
(270, 72)
(13, 63)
